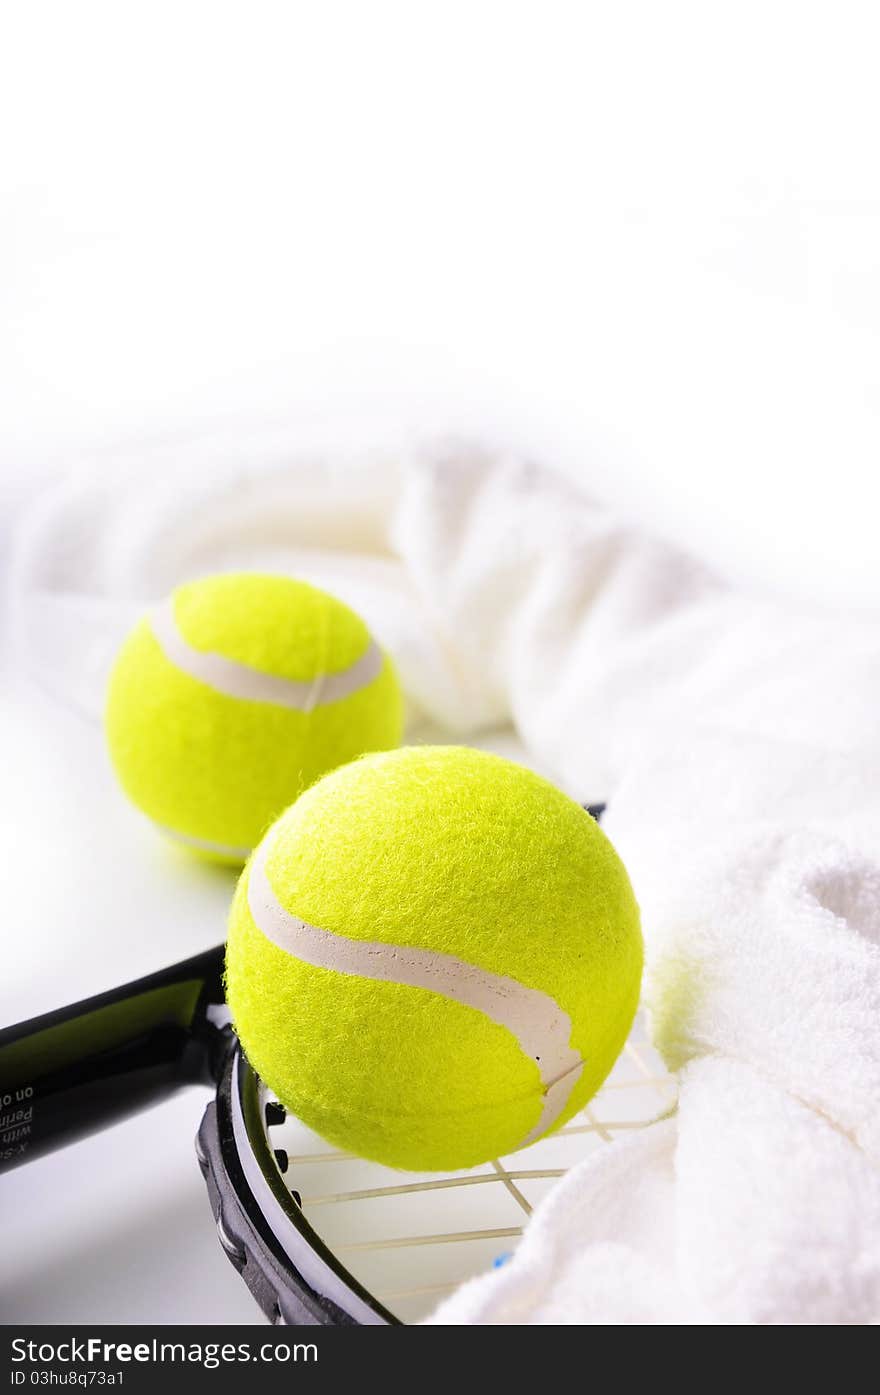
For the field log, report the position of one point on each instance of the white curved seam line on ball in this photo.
(316, 692)
(238, 680)
(541, 1027)
(206, 844)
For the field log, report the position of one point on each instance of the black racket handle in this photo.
(73, 1071)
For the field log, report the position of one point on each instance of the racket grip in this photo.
(82, 1067)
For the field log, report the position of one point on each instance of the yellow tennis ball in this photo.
(234, 695)
(434, 957)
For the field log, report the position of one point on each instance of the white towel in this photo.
(737, 742)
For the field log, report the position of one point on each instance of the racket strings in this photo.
(411, 1239)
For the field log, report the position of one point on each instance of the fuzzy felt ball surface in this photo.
(434, 957)
(235, 694)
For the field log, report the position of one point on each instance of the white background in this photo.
(640, 240)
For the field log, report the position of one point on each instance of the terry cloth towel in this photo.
(737, 741)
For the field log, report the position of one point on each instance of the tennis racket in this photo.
(318, 1235)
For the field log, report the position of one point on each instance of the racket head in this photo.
(321, 1236)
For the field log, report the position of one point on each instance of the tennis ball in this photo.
(234, 695)
(434, 957)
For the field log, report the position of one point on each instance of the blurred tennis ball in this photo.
(434, 957)
(234, 695)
